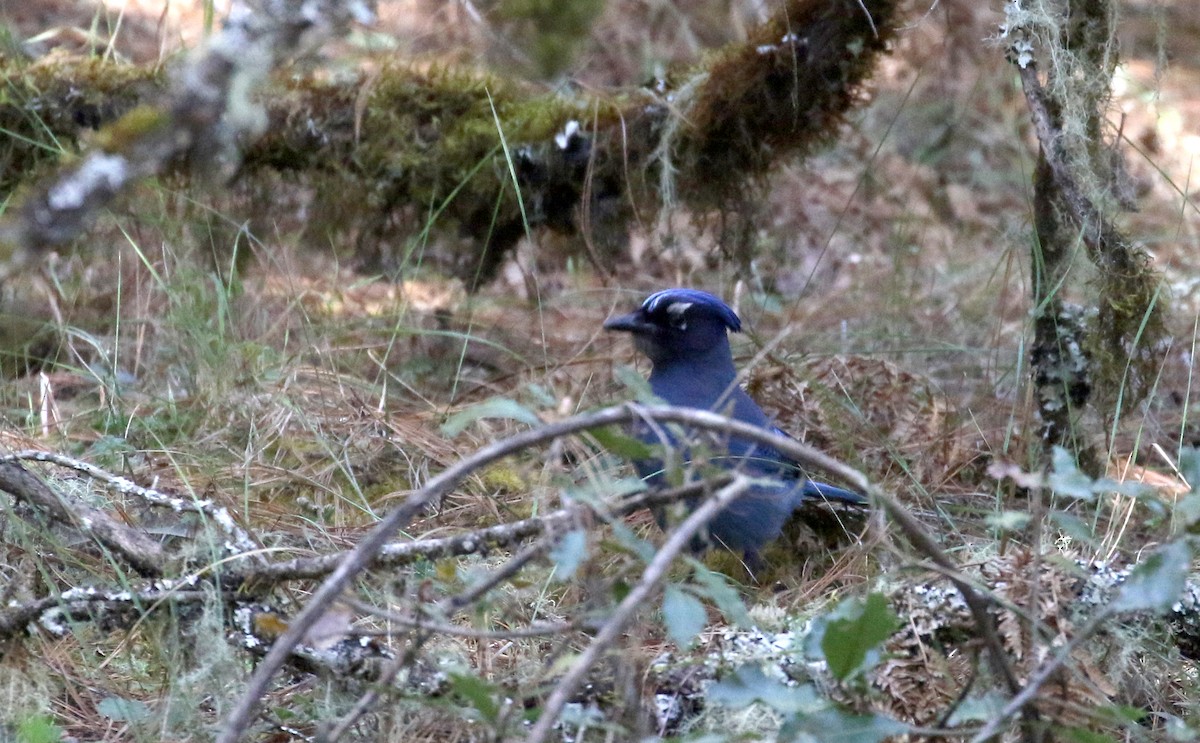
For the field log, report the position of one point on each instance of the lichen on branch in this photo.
(1112, 360)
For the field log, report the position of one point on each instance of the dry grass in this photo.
(308, 399)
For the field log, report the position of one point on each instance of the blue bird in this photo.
(684, 332)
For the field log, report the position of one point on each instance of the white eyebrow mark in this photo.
(676, 310)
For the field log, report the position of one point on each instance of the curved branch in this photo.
(362, 555)
(395, 554)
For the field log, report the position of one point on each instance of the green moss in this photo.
(132, 127)
(783, 92)
(1127, 342)
(440, 148)
(429, 149)
(503, 479)
(410, 149)
(45, 109)
(551, 30)
(727, 563)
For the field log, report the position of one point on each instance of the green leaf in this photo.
(568, 554)
(1073, 526)
(1189, 467)
(832, 725)
(541, 395)
(1178, 729)
(854, 632)
(620, 589)
(1082, 735)
(121, 709)
(1127, 713)
(1187, 509)
(1130, 488)
(749, 684)
(977, 708)
(771, 303)
(1156, 583)
(478, 692)
(38, 729)
(622, 444)
(110, 446)
(497, 407)
(1008, 520)
(683, 614)
(597, 492)
(716, 588)
(637, 384)
(1067, 480)
(627, 539)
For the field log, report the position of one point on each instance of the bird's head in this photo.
(678, 324)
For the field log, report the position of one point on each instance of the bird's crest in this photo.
(677, 301)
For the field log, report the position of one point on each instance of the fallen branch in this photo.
(205, 119)
(540, 629)
(53, 612)
(375, 549)
(405, 136)
(238, 540)
(132, 545)
(478, 541)
(448, 606)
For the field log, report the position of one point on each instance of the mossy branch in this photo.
(427, 141)
(196, 126)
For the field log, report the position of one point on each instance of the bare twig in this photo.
(540, 629)
(362, 555)
(134, 546)
(52, 612)
(635, 600)
(515, 564)
(977, 603)
(395, 554)
(369, 698)
(806, 456)
(448, 606)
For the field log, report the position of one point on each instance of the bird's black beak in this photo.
(634, 322)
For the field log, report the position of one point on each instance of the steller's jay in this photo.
(684, 333)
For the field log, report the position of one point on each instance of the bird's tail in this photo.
(812, 490)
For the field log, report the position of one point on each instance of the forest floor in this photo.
(892, 282)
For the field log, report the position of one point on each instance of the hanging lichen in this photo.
(1079, 186)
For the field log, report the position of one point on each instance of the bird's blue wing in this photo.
(813, 490)
(771, 462)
